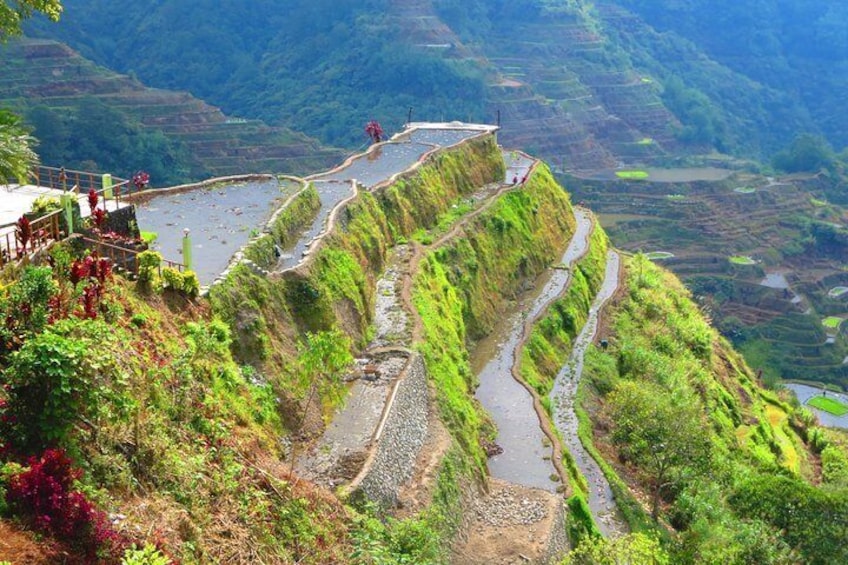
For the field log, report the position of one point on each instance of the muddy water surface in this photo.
(379, 164)
(526, 454)
(220, 220)
(601, 501)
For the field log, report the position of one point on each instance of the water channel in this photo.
(601, 500)
(330, 193)
(526, 453)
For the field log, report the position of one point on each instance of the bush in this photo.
(185, 282)
(58, 379)
(148, 268)
(191, 284)
(43, 498)
(27, 307)
(43, 205)
(147, 555)
(173, 278)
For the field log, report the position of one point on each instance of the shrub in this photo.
(191, 284)
(148, 267)
(43, 497)
(93, 198)
(185, 282)
(173, 278)
(58, 379)
(147, 555)
(43, 205)
(138, 320)
(27, 307)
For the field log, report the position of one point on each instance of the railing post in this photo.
(186, 248)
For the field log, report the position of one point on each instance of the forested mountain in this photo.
(88, 117)
(595, 78)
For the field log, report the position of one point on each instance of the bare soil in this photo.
(512, 524)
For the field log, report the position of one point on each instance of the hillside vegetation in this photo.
(628, 80)
(87, 117)
(179, 417)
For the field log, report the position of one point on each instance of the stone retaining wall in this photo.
(558, 543)
(400, 440)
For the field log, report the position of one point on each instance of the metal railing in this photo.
(124, 258)
(43, 232)
(81, 181)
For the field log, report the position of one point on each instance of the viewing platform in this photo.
(16, 201)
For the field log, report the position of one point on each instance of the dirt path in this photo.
(600, 497)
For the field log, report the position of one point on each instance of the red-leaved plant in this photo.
(23, 231)
(42, 496)
(98, 216)
(94, 271)
(93, 198)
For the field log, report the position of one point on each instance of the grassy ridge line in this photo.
(336, 288)
(466, 283)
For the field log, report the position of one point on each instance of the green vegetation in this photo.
(742, 260)
(632, 175)
(550, 342)
(659, 255)
(16, 147)
(808, 153)
(463, 286)
(830, 405)
(12, 14)
(633, 548)
(668, 380)
(832, 322)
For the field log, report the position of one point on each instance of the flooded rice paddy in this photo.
(220, 219)
(806, 392)
(526, 453)
(601, 500)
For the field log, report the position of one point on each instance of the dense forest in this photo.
(743, 78)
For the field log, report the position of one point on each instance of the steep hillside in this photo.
(183, 418)
(87, 117)
(796, 48)
(587, 86)
(584, 86)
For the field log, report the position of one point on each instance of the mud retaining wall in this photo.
(403, 435)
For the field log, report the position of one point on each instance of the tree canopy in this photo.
(14, 12)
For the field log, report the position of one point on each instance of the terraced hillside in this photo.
(772, 308)
(46, 73)
(549, 78)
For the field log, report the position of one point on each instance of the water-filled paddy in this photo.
(220, 219)
(807, 392)
(837, 291)
(379, 164)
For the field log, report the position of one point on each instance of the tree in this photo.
(14, 12)
(663, 433)
(323, 358)
(807, 153)
(16, 154)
